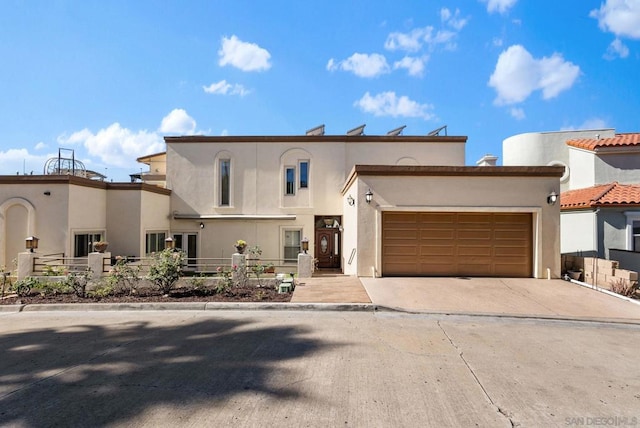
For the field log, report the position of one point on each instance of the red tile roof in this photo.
(612, 194)
(620, 140)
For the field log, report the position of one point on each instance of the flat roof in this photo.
(317, 139)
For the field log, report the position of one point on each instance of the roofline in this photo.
(317, 139)
(141, 159)
(80, 181)
(452, 171)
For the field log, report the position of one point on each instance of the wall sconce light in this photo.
(201, 225)
(305, 244)
(351, 201)
(169, 243)
(47, 193)
(368, 196)
(31, 243)
(552, 198)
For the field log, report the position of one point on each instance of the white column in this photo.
(305, 265)
(25, 264)
(96, 263)
(240, 261)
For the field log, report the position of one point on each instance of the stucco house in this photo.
(369, 205)
(600, 200)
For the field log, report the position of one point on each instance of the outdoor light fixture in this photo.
(552, 198)
(350, 200)
(305, 244)
(31, 243)
(201, 225)
(169, 243)
(368, 196)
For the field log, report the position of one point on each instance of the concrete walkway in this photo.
(521, 297)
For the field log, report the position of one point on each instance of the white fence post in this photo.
(305, 265)
(25, 264)
(240, 262)
(96, 263)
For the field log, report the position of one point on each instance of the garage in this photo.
(457, 244)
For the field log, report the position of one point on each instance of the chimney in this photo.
(487, 160)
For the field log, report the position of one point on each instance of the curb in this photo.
(189, 306)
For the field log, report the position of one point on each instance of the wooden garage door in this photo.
(457, 244)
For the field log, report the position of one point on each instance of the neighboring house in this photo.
(600, 202)
(369, 206)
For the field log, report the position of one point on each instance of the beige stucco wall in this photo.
(578, 232)
(486, 194)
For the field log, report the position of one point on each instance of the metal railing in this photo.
(58, 264)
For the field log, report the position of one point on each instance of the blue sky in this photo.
(109, 79)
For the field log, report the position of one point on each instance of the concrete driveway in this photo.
(499, 296)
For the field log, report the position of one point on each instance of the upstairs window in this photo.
(290, 180)
(304, 174)
(225, 182)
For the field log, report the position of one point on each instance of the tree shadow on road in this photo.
(92, 375)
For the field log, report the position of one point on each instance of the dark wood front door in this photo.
(328, 248)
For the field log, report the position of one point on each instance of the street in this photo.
(314, 369)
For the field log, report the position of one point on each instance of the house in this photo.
(369, 205)
(600, 200)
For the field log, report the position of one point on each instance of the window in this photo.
(83, 243)
(291, 245)
(304, 174)
(225, 181)
(155, 242)
(290, 180)
(636, 236)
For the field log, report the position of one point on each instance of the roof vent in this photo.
(397, 131)
(318, 130)
(358, 130)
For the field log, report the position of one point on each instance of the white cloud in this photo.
(414, 66)
(453, 19)
(500, 6)
(620, 17)
(178, 122)
(593, 123)
(389, 104)
(616, 49)
(362, 65)
(116, 145)
(243, 55)
(224, 88)
(18, 161)
(517, 75)
(41, 146)
(517, 113)
(409, 42)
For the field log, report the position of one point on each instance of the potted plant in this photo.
(100, 246)
(240, 246)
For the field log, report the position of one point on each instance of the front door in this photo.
(328, 248)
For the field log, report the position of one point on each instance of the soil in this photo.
(235, 294)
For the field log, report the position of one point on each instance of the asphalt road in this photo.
(314, 369)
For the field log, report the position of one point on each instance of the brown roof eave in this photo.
(317, 138)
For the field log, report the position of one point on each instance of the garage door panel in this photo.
(449, 244)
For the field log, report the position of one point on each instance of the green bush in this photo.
(24, 286)
(165, 269)
(124, 276)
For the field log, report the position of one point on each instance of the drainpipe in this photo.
(595, 244)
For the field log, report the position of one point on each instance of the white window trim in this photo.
(631, 217)
(284, 230)
(295, 180)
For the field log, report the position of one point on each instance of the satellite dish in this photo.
(318, 130)
(397, 131)
(358, 130)
(436, 132)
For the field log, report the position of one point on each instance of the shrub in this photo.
(225, 280)
(24, 286)
(78, 282)
(165, 269)
(101, 291)
(624, 287)
(125, 276)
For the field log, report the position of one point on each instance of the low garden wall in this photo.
(600, 272)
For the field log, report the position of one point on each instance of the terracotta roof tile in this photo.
(620, 140)
(612, 194)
